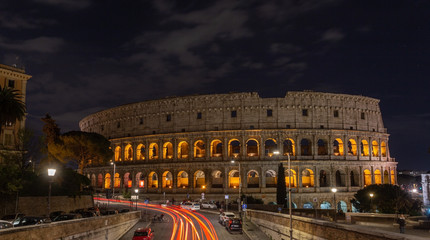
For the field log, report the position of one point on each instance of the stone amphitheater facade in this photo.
(181, 147)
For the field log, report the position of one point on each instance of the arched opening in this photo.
(233, 179)
(270, 147)
(199, 149)
(364, 148)
(233, 148)
(153, 151)
(167, 150)
(117, 181)
(393, 178)
(338, 147)
(383, 149)
(183, 150)
(140, 152)
(341, 205)
(199, 179)
(322, 147)
(340, 179)
(153, 180)
(167, 180)
(353, 178)
(271, 179)
(140, 179)
(128, 153)
(118, 153)
(128, 182)
(305, 146)
(252, 148)
(93, 180)
(108, 181)
(308, 205)
(289, 147)
(325, 205)
(182, 179)
(216, 148)
(324, 179)
(253, 180)
(307, 178)
(386, 177)
(293, 178)
(375, 149)
(100, 180)
(367, 177)
(352, 147)
(378, 177)
(217, 179)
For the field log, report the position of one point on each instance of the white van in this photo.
(191, 206)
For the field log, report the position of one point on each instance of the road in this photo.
(180, 225)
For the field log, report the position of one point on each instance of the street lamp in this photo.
(113, 177)
(240, 188)
(51, 174)
(371, 207)
(137, 195)
(289, 193)
(334, 190)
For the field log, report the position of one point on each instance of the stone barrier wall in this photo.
(97, 228)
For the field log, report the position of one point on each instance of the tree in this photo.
(387, 198)
(82, 148)
(281, 187)
(12, 108)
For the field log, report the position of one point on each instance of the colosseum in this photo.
(221, 144)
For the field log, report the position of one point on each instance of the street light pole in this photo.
(371, 207)
(289, 193)
(113, 177)
(240, 188)
(334, 190)
(51, 174)
(137, 196)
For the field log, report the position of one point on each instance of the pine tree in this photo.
(281, 187)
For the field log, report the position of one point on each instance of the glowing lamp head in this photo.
(414, 190)
(203, 187)
(136, 190)
(334, 190)
(51, 172)
(371, 195)
(276, 152)
(232, 161)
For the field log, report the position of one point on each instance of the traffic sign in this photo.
(226, 196)
(203, 195)
(244, 206)
(146, 201)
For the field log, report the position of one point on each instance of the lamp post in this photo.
(334, 190)
(240, 188)
(51, 174)
(113, 179)
(137, 196)
(290, 212)
(371, 197)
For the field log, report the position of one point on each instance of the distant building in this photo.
(16, 78)
(413, 173)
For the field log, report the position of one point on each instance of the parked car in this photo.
(225, 216)
(190, 206)
(5, 224)
(208, 205)
(68, 216)
(143, 234)
(30, 220)
(11, 217)
(234, 225)
(55, 214)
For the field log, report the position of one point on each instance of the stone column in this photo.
(262, 148)
(225, 156)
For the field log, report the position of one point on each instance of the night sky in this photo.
(86, 56)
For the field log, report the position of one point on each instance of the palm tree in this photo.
(12, 108)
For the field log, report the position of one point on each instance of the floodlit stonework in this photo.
(184, 145)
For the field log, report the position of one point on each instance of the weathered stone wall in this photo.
(97, 228)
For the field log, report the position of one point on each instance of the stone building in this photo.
(184, 146)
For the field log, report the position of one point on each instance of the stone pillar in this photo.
(146, 150)
(262, 148)
(299, 180)
(225, 147)
(207, 149)
(225, 180)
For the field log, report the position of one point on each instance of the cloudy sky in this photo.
(87, 56)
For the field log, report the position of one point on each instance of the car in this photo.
(68, 216)
(209, 205)
(225, 216)
(55, 214)
(143, 234)
(234, 225)
(190, 206)
(5, 224)
(30, 220)
(11, 217)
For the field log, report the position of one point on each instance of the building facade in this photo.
(184, 146)
(15, 78)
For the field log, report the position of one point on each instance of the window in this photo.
(183, 129)
(118, 125)
(322, 126)
(363, 116)
(11, 83)
(234, 114)
(169, 117)
(304, 112)
(153, 132)
(352, 128)
(251, 127)
(336, 113)
(199, 115)
(141, 121)
(269, 112)
(288, 126)
(103, 127)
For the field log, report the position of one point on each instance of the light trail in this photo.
(186, 224)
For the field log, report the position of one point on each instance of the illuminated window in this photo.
(307, 178)
(367, 177)
(338, 147)
(378, 178)
(289, 147)
(383, 149)
(252, 147)
(216, 148)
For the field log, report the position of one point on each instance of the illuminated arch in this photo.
(93, 180)
(270, 146)
(271, 179)
(364, 148)
(167, 150)
(233, 148)
(383, 149)
(308, 205)
(308, 178)
(322, 147)
(128, 180)
(352, 147)
(117, 181)
(217, 179)
(167, 180)
(199, 179)
(182, 179)
(378, 177)
(375, 149)
(393, 177)
(108, 181)
(140, 180)
(233, 179)
(199, 149)
(153, 151)
(293, 178)
(182, 150)
(100, 180)
(153, 180)
(117, 153)
(216, 148)
(289, 147)
(338, 147)
(128, 153)
(140, 152)
(252, 147)
(306, 147)
(253, 179)
(386, 177)
(367, 177)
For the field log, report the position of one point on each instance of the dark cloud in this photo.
(39, 44)
(67, 4)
